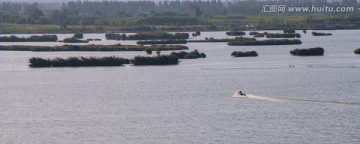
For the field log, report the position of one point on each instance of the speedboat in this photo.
(238, 94)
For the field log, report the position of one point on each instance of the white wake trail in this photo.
(268, 98)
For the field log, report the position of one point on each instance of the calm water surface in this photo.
(317, 101)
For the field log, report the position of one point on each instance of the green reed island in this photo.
(317, 51)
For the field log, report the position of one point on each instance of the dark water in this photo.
(315, 100)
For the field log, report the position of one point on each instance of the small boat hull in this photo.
(237, 94)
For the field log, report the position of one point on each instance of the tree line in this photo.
(147, 15)
(190, 7)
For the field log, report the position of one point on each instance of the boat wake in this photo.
(268, 98)
(291, 66)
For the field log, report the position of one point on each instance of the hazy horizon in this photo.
(42, 1)
(86, 0)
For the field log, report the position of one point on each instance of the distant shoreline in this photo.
(189, 31)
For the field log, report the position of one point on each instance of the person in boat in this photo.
(241, 93)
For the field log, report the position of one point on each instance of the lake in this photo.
(291, 99)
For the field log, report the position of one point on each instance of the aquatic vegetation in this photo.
(93, 48)
(157, 35)
(78, 36)
(244, 54)
(148, 51)
(43, 38)
(257, 34)
(37, 62)
(235, 33)
(147, 36)
(94, 39)
(198, 33)
(114, 36)
(195, 34)
(357, 51)
(209, 40)
(155, 60)
(73, 40)
(203, 55)
(289, 31)
(285, 35)
(180, 54)
(169, 41)
(317, 51)
(254, 42)
(189, 55)
(320, 34)
(254, 33)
